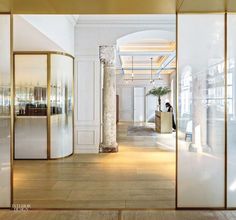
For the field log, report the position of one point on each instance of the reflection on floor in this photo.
(140, 175)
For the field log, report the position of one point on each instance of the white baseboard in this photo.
(86, 150)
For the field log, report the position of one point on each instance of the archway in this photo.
(146, 60)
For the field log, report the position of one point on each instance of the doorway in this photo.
(139, 104)
(214, 107)
(138, 176)
(146, 60)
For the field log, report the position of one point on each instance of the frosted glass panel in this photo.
(61, 106)
(5, 170)
(201, 113)
(30, 106)
(231, 84)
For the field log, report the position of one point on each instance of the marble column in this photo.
(107, 59)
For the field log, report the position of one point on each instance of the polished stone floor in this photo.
(140, 175)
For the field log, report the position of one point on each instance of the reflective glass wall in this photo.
(30, 106)
(231, 107)
(5, 113)
(61, 105)
(201, 111)
(43, 123)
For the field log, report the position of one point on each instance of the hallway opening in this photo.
(142, 173)
(204, 139)
(138, 110)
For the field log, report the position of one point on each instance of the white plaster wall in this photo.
(126, 96)
(87, 104)
(90, 33)
(29, 38)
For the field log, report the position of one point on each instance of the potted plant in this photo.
(159, 92)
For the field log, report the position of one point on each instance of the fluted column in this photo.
(107, 59)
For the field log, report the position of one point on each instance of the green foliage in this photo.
(159, 91)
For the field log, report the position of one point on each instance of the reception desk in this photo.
(163, 122)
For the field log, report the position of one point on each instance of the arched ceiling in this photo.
(147, 52)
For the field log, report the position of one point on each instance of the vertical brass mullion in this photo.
(226, 106)
(48, 106)
(73, 105)
(176, 104)
(12, 109)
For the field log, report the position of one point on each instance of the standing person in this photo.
(170, 109)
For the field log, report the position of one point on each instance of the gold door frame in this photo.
(12, 132)
(116, 6)
(6, 12)
(176, 111)
(121, 7)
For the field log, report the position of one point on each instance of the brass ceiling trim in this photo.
(202, 6)
(231, 6)
(179, 4)
(93, 7)
(5, 6)
(116, 6)
(206, 6)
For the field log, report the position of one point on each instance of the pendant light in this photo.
(132, 76)
(151, 78)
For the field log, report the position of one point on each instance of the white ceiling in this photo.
(29, 38)
(150, 19)
(139, 47)
(147, 52)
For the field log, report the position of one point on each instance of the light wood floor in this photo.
(140, 175)
(116, 215)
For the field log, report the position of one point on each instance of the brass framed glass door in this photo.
(5, 111)
(30, 106)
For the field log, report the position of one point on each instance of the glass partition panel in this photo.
(5, 121)
(201, 113)
(30, 106)
(61, 106)
(231, 106)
